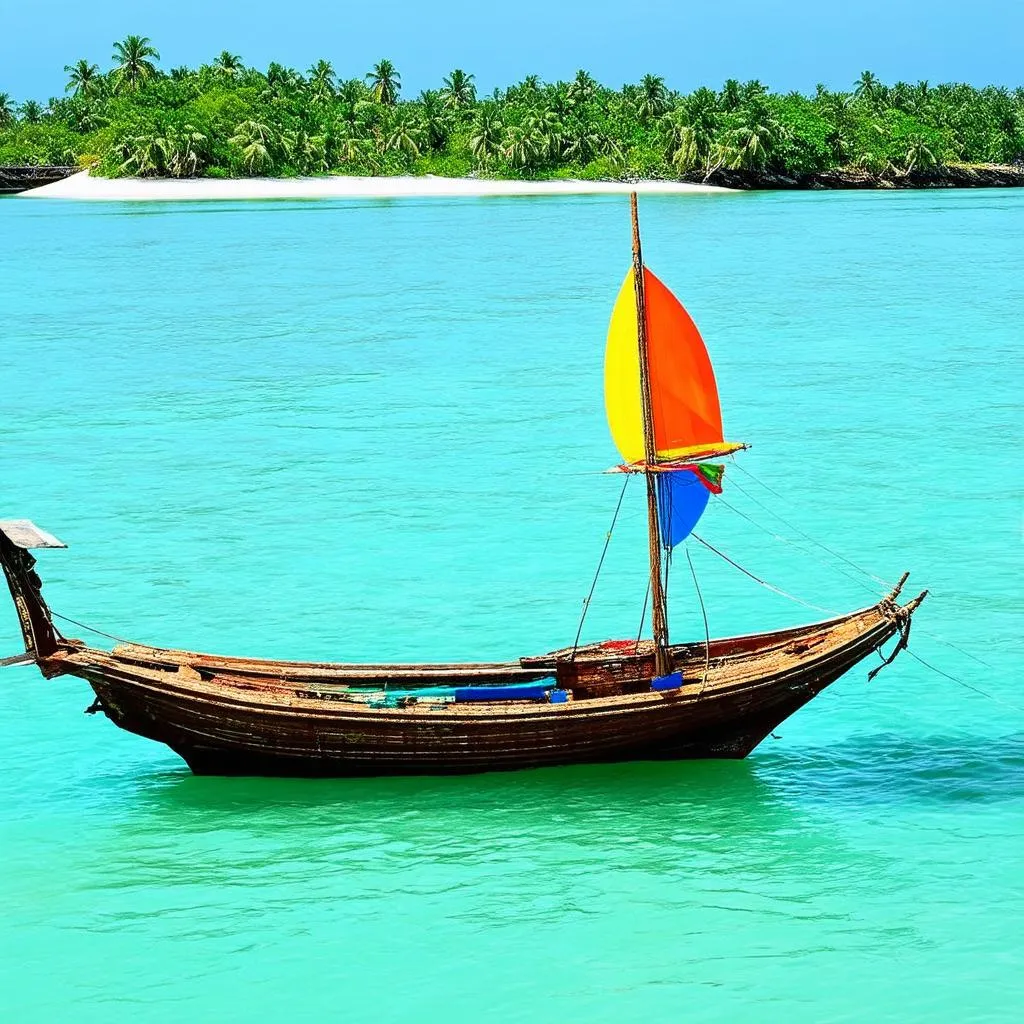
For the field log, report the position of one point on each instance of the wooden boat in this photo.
(611, 701)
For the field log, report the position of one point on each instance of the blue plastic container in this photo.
(669, 682)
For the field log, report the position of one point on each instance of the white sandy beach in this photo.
(83, 186)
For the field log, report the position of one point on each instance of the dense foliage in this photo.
(228, 119)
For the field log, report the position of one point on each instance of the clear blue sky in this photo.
(791, 44)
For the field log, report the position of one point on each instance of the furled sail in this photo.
(684, 396)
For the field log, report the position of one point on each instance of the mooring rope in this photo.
(961, 682)
(597, 573)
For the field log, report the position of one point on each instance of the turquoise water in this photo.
(374, 430)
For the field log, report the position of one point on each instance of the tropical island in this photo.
(227, 120)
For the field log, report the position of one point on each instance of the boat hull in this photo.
(226, 729)
(243, 716)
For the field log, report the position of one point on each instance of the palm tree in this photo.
(753, 144)
(582, 142)
(322, 82)
(282, 82)
(922, 94)
(277, 75)
(919, 154)
(143, 154)
(83, 78)
(867, 87)
(350, 147)
(459, 90)
(732, 95)
(682, 149)
(653, 98)
(228, 64)
(436, 119)
(31, 112)
(185, 151)
(684, 152)
(547, 126)
(134, 68)
(405, 137)
(753, 91)
(702, 112)
(352, 91)
(257, 143)
(179, 74)
(6, 110)
(385, 83)
(84, 116)
(486, 137)
(522, 145)
(581, 89)
(310, 153)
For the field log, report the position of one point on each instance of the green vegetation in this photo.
(228, 119)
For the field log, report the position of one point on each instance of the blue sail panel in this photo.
(682, 498)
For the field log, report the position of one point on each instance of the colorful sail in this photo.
(683, 496)
(684, 396)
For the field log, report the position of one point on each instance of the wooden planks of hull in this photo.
(230, 715)
(233, 724)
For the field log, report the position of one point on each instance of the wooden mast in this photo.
(659, 619)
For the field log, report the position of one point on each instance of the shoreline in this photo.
(83, 186)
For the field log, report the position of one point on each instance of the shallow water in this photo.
(372, 430)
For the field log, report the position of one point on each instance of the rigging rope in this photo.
(902, 645)
(805, 535)
(707, 631)
(597, 573)
(92, 629)
(873, 590)
(643, 616)
(824, 547)
(763, 583)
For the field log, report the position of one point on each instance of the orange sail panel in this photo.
(684, 395)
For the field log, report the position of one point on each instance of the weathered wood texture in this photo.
(248, 716)
(236, 723)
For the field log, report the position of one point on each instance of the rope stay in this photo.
(92, 629)
(707, 630)
(597, 572)
(763, 583)
(873, 590)
(643, 618)
(826, 548)
(796, 529)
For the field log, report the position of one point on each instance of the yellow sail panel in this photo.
(622, 376)
(685, 410)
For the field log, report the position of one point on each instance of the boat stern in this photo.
(43, 641)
